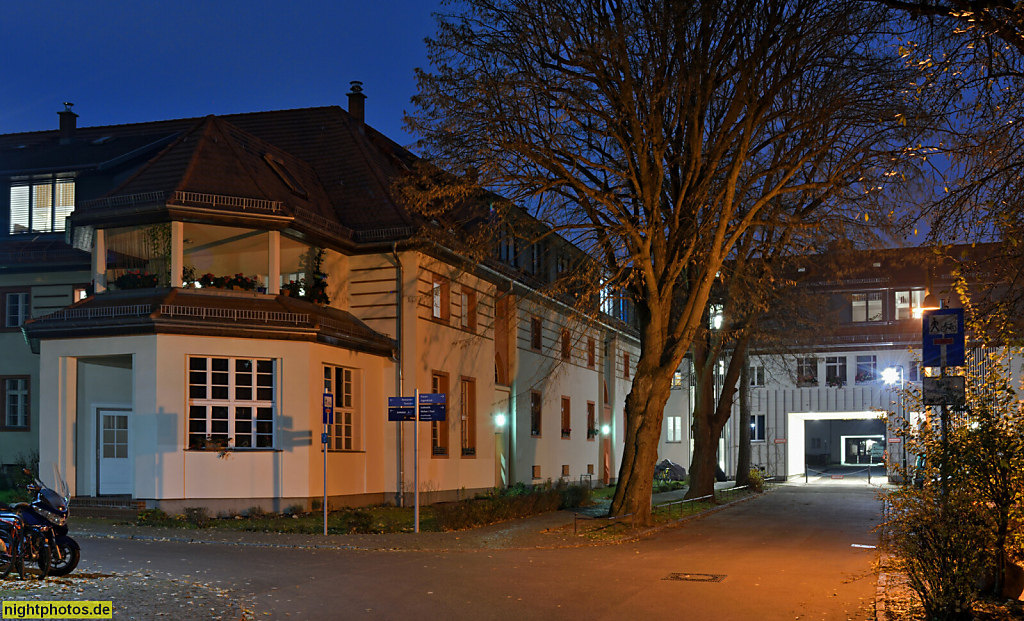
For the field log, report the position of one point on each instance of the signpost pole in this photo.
(328, 404)
(416, 464)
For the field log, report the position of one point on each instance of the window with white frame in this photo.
(467, 418)
(468, 308)
(346, 432)
(41, 205)
(677, 380)
(908, 304)
(757, 427)
(16, 305)
(439, 301)
(716, 315)
(757, 375)
(16, 402)
(867, 307)
(230, 403)
(807, 371)
(835, 371)
(675, 429)
(867, 369)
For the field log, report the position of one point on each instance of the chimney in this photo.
(356, 99)
(67, 123)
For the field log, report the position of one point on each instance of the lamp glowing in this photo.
(890, 375)
(606, 429)
(499, 420)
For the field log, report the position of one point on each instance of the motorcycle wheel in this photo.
(8, 558)
(70, 555)
(43, 556)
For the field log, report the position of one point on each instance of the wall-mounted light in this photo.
(606, 429)
(499, 420)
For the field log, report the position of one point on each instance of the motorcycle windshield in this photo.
(53, 499)
(60, 484)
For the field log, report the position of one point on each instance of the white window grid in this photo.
(41, 206)
(675, 429)
(16, 309)
(344, 434)
(757, 427)
(867, 307)
(231, 403)
(16, 402)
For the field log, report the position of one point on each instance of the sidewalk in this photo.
(547, 530)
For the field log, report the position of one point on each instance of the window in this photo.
(591, 420)
(566, 418)
(835, 371)
(677, 380)
(675, 429)
(625, 365)
(439, 428)
(535, 413)
(756, 375)
(566, 345)
(440, 308)
(40, 206)
(467, 416)
(908, 304)
(16, 402)
(346, 432)
(806, 371)
(867, 307)
(16, 309)
(590, 468)
(591, 352)
(231, 403)
(565, 470)
(716, 314)
(914, 373)
(468, 309)
(536, 472)
(535, 334)
(757, 422)
(866, 369)
(535, 259)
(508, 248)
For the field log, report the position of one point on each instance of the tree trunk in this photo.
(645, 408)
(743, 457)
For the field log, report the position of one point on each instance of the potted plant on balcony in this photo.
(135, 279)
(242, 282)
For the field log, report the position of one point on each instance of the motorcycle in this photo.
(45, 539)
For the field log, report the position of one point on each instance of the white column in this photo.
(274, 262)
(99, 262)
(177, 252)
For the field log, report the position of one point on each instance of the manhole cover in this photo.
(696, 577)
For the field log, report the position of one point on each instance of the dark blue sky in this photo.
(129, 61)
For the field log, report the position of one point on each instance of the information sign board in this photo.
(432, 407)
(943, 333)
(328, 408)
(401, 409)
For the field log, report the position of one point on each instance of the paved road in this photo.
(785, 555)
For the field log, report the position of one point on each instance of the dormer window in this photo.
(278, 166)
(41, 205)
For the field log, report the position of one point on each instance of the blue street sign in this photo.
(323, 438)
(328, 408)
(401, 408)
(943, 332)
(432, 407)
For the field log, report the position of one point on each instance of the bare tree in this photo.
(654, 134)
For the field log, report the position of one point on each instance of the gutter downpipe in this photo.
(399, 364)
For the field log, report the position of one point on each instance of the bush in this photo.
(756, 480)
(152, 517)
(197, 516)
(943, 547)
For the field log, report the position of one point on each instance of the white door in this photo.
(114, 472)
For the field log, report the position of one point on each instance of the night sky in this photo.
(131, 61)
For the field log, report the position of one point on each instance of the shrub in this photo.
(756, 478)
(942, 545)
(517, 501)
(197, 516)
(152, 517)
(295, 509)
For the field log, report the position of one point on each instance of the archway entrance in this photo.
(838, 438)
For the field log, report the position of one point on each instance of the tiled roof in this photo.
(210, 313)
(345, 166)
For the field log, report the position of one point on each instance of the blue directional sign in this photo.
(401, 408)
(943, 337)
(328, 408)
(432, 406)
